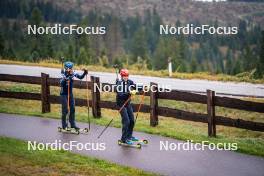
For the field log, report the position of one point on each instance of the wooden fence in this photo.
(154, 109)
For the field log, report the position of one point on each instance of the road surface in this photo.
(221, 88)
(149, 158)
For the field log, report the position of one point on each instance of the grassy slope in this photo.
(15, 159)
(134, 70)
(248, 141)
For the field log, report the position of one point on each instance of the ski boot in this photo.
(81, 130)
(141, 141)
(129, 143)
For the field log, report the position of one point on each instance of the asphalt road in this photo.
(149, 158)
(221, 88)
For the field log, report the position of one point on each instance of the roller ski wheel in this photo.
(83, 130)
(138, 146)
(59, 129)
(141, 141)
(145, 141)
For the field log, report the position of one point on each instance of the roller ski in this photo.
(129, 143)
(139, 141)
(69, 130)
(75, 130)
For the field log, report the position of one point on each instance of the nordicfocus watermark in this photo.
(58, 29)
(191, 29)
(138, 87)
(190, 146)
(69, 146)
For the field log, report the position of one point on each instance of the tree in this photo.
(242, 26)
(5, 27)
(181, 54)
(70, 52)
(193, 66)
(260, 65)
(34, 56)
(36, 17)
(168, 47)
(139, 45)
(114, 40)
(83, 41)
(2, 45)
(152, 22)
(83, 57)
(50, 51)
(9, 53)
(161, 55)
(248, 59)
(104, 61)
(229, 64)
(237, 67)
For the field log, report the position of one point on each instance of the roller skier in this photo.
(66, 96)
(125, 89)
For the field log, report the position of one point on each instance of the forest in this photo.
(133, 40)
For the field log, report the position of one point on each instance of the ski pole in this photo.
(105, 128)
(116, 67)
(113, 118)
(116, 74)
(88, 105)
(139, 107)
(124, 104)
(68, 103)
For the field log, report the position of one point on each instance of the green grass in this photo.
(16, 159)
(250, 142)
(243, 77)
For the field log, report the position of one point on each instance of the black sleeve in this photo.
(80, 76)
(135, 86)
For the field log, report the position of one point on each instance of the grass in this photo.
(16, 159)
(250, 142)
(134, 70)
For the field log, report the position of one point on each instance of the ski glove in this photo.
(133, 92)
(85, 71)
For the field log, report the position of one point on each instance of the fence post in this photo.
(95, 97)
(154, 104)
(211, 113)
(45, 93)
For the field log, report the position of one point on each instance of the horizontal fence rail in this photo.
(154, 109)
